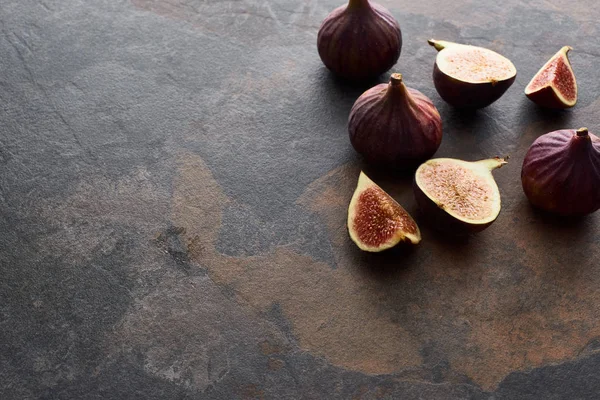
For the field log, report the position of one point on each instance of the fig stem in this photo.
(582, 132)
(356, 4)
(493, 163)
(399, 91)
(396, 79)
(438, 44)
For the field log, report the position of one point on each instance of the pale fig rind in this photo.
(376, 222)
(359, 41)
(440, 214)
(462, 93)
(554, 85)
(561, 172)
(394, 126)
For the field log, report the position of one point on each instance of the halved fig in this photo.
(469, 76)
(554, 86)
(458, 196)
(376, 221)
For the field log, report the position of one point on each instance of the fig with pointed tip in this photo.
(360, 40)
(458, 196)
(377, 222)
(395, 126)
(561, 172)
(469, 76)
(554, 86)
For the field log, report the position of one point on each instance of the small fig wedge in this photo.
(377, 222)
(469, 76)
(360, 40)
(561, 172)
(395, 126)
(458, 196)
(554, 86)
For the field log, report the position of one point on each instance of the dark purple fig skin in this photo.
(359, 41)
(547, 98)
(461, 94)
(440, 219)
(561, 172)
(394, 126)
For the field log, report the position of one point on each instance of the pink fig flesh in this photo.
(376, 221)
(458, 196)
(554, 85)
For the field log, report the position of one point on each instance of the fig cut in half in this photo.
(458, 196)
(554, 86)
(376, 221)
(469, 76)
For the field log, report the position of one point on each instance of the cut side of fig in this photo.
(458, 196)
(470, 76)
(376, 221)
(554, 86)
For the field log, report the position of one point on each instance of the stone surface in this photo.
(174, 180)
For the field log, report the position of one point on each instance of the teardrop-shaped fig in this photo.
(360, 40)
(458, 196)
(376, 221)
(470, 76)
(395, 126)
(554, 86)
(561, 172)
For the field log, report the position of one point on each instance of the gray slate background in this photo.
(174, 177)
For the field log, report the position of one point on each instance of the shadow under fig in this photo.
(569, 226)
(461, 121)
(388, 265)
(346, 84)
(380, 174)
(550, 119)
(339, 94)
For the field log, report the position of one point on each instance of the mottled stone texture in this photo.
(174, 178)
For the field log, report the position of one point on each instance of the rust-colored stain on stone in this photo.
(252, 392)
(275, 364)
(499, 303)
(268, 348)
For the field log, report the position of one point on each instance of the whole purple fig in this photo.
(561, 172)
(360, 40)
(395, 126)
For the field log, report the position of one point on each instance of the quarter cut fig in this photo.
(561, 172)
(458, 196)
(360, 40)
(469, 76)
(554, 86)
(395, 126)
(377, 222)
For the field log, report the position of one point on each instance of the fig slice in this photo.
(554, 85)
(458, 196)
(470, 76)
(376, 221)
